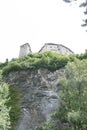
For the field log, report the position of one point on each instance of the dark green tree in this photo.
(83, 4)
(4, 110)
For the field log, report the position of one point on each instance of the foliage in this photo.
(49, 60)
(4, 110)
(3, 65)
(0, 74)
(9, 105)
(73, 109)
(82, 4)
(82, 56)
(14, 104)
(46, 126)
(11, 68)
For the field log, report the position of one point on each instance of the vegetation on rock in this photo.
(73, 109)
(49, 60)
(14, 105)
(9, 105)
(4, 110)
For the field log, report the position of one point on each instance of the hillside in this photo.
(32, 86)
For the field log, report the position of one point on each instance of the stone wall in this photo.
(25, 49)
(58, 48)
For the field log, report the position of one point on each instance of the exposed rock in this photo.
(40, 98)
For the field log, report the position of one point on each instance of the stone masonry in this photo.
(58, 48)
(25, 49)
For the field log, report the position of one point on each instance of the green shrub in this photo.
(82, 56)
(11, 68)
(46, 126)
(9, 105)
(14, 104)
(73, 109)
(3, 65)
(49, 60)
(5, 123)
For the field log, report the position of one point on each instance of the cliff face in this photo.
(39, 96)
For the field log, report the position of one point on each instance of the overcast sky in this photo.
(37, 22)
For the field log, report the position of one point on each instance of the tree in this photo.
(4, 110)
(73, 109)
(83, 4)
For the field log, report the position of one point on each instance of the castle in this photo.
(25, 49)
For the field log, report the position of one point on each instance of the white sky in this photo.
(38, 22)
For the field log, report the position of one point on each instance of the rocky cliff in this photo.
(39, 89)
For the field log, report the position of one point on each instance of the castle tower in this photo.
(25, 49)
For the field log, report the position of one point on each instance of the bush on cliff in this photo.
(5, 123)
(73, 93)
(49, 60)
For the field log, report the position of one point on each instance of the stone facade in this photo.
(25, 49)
(58, 48)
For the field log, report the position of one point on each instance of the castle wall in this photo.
(58, 48)
(24, 50)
